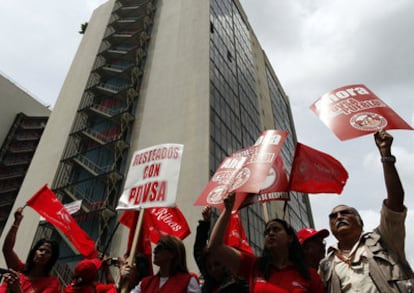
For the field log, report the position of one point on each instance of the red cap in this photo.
(87, 269)
(307, 233)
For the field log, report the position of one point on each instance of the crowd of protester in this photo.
(360, 261)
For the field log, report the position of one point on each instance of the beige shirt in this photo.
(355, 277)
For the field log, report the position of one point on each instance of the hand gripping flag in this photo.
(316, 172)
(46, 203)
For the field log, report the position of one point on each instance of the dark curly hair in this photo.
(55, 254)
(296, 255)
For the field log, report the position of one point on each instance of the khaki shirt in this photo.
(353, 276)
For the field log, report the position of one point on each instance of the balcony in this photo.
(116, 69)
(7, 187)
(92, 167)
(33, 124)
(11, 173)
(22, 147)
(27, 135)
(89, 204)
(111, 87)
(17, 160)
(108, 111)
(121, 49)
(103, 137)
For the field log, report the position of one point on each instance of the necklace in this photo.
(344, 256)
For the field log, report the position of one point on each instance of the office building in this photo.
(150, 72)
(22, 120)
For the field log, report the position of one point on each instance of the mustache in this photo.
(342, 221)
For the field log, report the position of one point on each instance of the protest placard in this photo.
(354, 110)
(152, 177)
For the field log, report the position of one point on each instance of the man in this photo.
(373, 261)
(313, 245)
(84, 277)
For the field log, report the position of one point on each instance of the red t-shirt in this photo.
(92, 288)
(49, 284)
(283, 280)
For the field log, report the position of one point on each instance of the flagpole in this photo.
(265, 212)
(284, 210)
(131, 256)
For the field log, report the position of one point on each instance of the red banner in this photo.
(316, 172)
(235, 235)
(166, 221)
(260, 158)
(157, 222)
(352, 111)
(46, 203)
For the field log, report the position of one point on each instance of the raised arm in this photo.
(228, 256)
(201, 238)
(395, 191)
(12, 260)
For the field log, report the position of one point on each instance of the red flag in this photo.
(129, 218)
(157, 222)
(235, 235)
(316, 172)
(165, 221)
(46, 203)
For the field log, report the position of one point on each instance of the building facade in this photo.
(150, 72)
(22, 120)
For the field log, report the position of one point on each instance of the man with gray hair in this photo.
(373, 261)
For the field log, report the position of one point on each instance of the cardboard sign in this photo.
(260, 158)
(352, 111)
(221, 182)
(152, 177)
(245, 171)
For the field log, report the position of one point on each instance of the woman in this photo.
(281, 268)
(217, 278)
(34, 275)
(173, 275)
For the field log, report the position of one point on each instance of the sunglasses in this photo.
(334, 215)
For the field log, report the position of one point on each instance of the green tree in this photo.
(83, 28)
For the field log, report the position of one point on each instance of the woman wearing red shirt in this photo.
(173, 275)
(34, 276)
(281, 268)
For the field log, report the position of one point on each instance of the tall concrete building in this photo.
(150, 72)
(22, 120)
